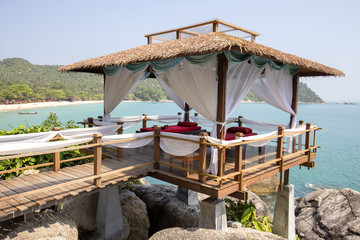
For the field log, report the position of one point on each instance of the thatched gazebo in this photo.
(211, 72)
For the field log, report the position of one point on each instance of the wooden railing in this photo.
(239, 171)
(237, 174)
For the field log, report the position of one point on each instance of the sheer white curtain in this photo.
(178, 100)
(275, 89)
(195, 84)
(118, 86)
(240, 79)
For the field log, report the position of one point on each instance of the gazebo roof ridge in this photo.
(197, 45)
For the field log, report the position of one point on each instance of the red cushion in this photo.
(179, 129)
(239, 129)
(231, 136)
(187, 124)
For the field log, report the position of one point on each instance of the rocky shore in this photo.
(155, 212)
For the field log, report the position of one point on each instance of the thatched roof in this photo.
(197, 45)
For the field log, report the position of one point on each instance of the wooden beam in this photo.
(202, 157)
(221, 103)
(97, 158)
(189, 32)
(215, 26)
(186, 115)
(295, 94)
(156, 147)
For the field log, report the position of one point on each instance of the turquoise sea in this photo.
(337, 162)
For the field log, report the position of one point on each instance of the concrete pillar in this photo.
(187, 196)
(213, 214)
(284, 214)
(109, 221)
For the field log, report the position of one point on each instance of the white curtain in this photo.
(261, 125)
(178, 100)
(195, 84)
(178, 147)
(28, 147)
(118, 86)
(142, 139)
(240, 79)
(88, 132)
(275, 89)
(40, 137)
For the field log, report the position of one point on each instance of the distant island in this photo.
(21, 82)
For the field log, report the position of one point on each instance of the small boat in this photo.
(27, 112)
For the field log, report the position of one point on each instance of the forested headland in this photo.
(21, 81)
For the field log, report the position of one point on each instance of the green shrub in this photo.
(245, 214)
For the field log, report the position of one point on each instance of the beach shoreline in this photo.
(25, 106)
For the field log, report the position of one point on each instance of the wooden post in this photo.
(144, 120)
(156, 147)
(215, 26)
(120, 131)
(221, 104)
(279, 154)
(90, 122)
(186, 116)
(307, 141)
(56, 155)
(97, 158)
(202, 157)
(239, 121)
(238, 156)
(149, 40)
(178, 35)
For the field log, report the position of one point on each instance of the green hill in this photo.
(22, 81)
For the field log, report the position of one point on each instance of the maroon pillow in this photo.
(187, 124)
(240, 129)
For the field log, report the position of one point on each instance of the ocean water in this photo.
(338, 161)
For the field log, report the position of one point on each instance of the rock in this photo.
(209, 234)
(233, 224)
(135, 215)
(165, 210)
(260, 205)
(82, 210)
(46, 225)
(266, 186)
(329, 214)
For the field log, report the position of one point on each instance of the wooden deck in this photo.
(26, 194)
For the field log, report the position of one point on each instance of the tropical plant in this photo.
(245, 213)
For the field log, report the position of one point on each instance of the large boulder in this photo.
(46, 225)
(135, 215)
(165, 209)
(209, 234)
(82, 210)
(267, 186)
(329, 214)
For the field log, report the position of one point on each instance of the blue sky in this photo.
(63, 32)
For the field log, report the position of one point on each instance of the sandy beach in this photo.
(16, 107)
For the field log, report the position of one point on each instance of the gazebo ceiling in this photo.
(198, 45)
